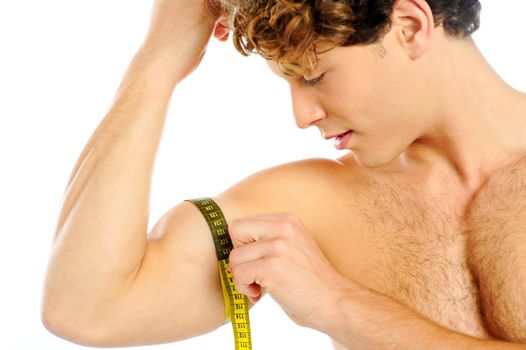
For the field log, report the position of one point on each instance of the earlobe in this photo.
(415, 20)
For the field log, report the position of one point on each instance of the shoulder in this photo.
(272, 188)
(303, 188)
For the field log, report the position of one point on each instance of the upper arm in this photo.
(176, 291)
(497, 256)
(500, 274)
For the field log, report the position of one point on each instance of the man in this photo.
(415, 239)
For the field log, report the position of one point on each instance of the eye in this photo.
(314, 81)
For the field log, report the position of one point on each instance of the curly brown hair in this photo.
(292, 32)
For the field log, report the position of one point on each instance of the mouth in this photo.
(342, 141)
(339, 136)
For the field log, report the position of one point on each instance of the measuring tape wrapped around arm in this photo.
(236, 304)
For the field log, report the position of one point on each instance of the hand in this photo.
(180, 30)
(276, 253)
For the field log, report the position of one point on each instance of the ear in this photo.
(221, 30)
(414, 24)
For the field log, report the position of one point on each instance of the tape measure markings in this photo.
(236, 304)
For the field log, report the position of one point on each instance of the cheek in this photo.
(361, 103)
(359, 93)
(370, 97)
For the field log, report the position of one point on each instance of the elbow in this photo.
(71, 329)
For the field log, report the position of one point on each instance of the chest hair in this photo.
(418, 251)
(496, 245)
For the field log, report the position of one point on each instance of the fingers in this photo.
(254, 293)
(248, 264)
(255, 251)
(247, 279)
(262, 227)
(260, 243)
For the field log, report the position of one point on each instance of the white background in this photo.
(60, 65)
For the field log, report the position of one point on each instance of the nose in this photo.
(306, 109)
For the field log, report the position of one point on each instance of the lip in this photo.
(341, 142)
(334, 136)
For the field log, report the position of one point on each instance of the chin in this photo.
(367, 162)
(372, 160)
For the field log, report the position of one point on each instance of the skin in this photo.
(280, 232)
(467, 119)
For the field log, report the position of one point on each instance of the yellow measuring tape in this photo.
(236, 304)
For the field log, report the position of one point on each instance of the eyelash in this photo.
(314, 81)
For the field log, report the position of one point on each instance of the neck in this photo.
(478, 122)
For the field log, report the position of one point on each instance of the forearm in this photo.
(364, 319)
(101, 233)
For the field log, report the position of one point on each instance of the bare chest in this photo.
(411, 246)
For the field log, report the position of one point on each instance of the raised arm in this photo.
(109, 282)
(100, 237)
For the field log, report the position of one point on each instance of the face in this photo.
(372, 90)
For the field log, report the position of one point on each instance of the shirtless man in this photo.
(415, 239)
